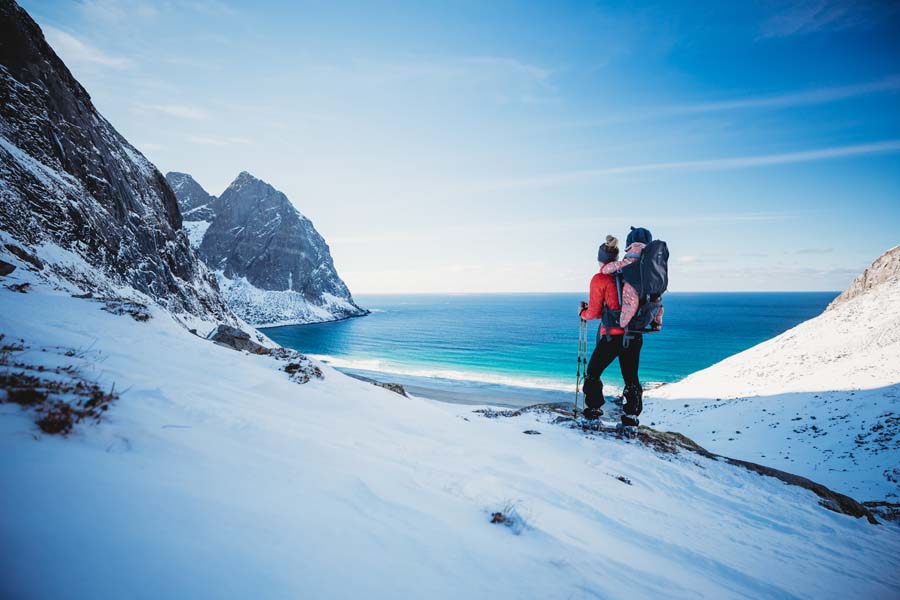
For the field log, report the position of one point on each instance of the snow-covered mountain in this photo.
(273, 266)
(822, 399)
(76, 195)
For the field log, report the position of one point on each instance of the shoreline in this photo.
(473, 393)
(461, 392)
(279, 324)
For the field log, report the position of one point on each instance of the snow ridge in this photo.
(886, 268)
(822, 399)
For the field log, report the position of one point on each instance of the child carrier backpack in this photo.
(649, 276)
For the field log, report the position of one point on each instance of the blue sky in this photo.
(489, 146)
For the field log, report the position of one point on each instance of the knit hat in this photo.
(609, 251)
(638, 234)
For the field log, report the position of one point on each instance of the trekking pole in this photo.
(582, 335)
(584, 356)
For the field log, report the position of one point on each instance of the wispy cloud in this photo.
(218, 141)
(151, 147)
(118, 11)
(74, 50)
(791, 99)
(505, 79)
(176, 110)
(713, 164)
(822, 250)
(214, 8)
(475, 68)
(509, 65)
(788, 99)
(811, 16)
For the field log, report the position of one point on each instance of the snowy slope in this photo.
(214, 476)
(821, 400)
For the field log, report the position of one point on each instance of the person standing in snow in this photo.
(610, 345)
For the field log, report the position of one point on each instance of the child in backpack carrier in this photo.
(637, 240)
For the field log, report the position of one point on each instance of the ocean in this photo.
(517, 349)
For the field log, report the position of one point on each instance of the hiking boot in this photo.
(626, 431)
(592, 414)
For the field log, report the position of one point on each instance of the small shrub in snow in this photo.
(60, 396)
(509, 516)
(57, 420)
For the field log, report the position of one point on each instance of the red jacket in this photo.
(603, 291)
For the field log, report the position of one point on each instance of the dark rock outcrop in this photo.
(68, 177)
(26, 256)
(274, 266)
(6, 268)
(237, 339)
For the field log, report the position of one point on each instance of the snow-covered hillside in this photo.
(213, 475)
(821, 400)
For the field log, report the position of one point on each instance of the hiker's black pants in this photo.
(629, 357)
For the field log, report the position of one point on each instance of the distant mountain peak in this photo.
(246, 178)
(247, 188)
(273, 266)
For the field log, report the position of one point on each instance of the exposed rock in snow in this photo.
(68, 180)
(273, 266)
(885, 269)
(237, 339)
(822, 399)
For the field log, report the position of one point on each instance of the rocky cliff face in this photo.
(886, 268)
(272, 264)
(69, 180)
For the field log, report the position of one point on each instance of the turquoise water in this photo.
(525, 345)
